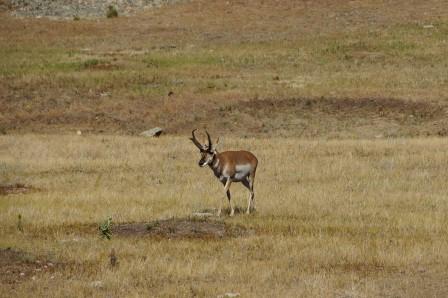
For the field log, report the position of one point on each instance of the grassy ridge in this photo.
(338, 62)
(127, 67)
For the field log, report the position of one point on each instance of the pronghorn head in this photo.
(208, 151)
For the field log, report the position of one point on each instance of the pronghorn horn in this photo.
(195, 141)
(209, 141)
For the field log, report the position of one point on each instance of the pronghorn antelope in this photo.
(228, 167)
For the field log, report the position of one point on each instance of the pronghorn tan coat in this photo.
(236, 165)
(228, 167)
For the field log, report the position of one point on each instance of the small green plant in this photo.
(19, 223)
(76, 18)
(106, 228)
(111, 12)
(90, 63)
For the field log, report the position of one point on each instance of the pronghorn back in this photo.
(237, 158)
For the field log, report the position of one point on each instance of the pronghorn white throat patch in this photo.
(208, 160)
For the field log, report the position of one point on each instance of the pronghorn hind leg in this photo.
(250, 201)
(230, 203)
(252, 193)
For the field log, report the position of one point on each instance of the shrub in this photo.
(106, 228)
(111, 12)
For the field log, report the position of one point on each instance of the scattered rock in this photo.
(428, 26)
(17, 266)
(229, 295)
(14, 189)
(154, 132)
(202, 214)
(75, 239)
(97, 284)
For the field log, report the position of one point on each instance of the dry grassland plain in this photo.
(343, 102)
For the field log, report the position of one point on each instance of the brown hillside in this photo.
(301, 68)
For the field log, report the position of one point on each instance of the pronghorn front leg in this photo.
(227, 192)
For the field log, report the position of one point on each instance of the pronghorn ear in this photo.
(215, 146)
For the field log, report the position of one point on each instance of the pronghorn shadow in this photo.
(226, 211)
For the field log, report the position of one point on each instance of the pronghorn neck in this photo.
(216, 165)
(215, 161)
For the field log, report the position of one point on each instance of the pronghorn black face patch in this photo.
(206, 158)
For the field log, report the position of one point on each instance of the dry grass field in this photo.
(335, 218)
(343, 102)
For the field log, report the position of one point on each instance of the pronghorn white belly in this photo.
(241, 172)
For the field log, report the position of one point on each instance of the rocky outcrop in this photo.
(70, 9)
(153, 132)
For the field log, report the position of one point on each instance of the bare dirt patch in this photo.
(15, 189)
(17, 266)
(287, 117)
(331, 117)
(181, 228)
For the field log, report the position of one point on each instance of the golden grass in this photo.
(335, 218)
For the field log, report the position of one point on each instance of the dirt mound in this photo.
(15, 189)
(181, 228)
(17, 266)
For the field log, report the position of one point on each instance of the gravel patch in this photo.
(69, 9)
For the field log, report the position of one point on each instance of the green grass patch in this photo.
(179, 59)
